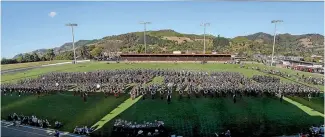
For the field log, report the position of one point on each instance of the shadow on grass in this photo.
(202, 117)
(316, 103)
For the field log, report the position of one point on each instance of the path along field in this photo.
(30, 64)
(249, 115)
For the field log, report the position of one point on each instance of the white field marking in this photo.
(26, 131)
(15, 69)
(78, 61)
(56, 64)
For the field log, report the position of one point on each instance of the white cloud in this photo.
(52, 14)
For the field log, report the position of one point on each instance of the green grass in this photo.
(33, 73)
(291, 72)
(249, 114)
(103, 66)
(248, 117)
(30, 64)
(69, 109)
(118, 110)
(315, 103)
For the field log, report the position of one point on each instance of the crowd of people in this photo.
(184, 82)
(316, 131)
(83, 84)
(179, 83)
(313, 131)
(220, 84)
(224, 134)
(265, 79)
(124, 128)
(32, 121)
(310, 79)
(83, 130)
(314, 80)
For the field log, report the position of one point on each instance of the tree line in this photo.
(82, 52)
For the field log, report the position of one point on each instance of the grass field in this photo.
(315, 103)
(293, 72)
(30, 64)
(69, 109)
(248, 115)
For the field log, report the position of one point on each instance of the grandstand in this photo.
(176, 57)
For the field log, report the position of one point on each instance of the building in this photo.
(175, 57)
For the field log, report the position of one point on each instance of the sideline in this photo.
(119, 109)
(16, 70)
(47, 130)
(26, 132)
(304, 108)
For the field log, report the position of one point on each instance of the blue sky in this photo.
(27, 26)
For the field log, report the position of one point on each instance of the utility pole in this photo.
(74, 50)
(144, 34)
(275, 22)
(204, 26)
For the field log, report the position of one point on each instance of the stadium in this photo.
(188, 114)
(158, 83)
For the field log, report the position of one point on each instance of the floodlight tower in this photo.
(204, 26)
(74, 50)
(144, 34)
(275, 22)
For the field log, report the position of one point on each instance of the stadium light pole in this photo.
(74, 50)
(144, 35)
(275, 22)
(204, 26)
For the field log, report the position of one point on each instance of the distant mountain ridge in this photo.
(65, 47)
(162, 41)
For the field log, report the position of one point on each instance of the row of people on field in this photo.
(315, 80)
(265, 79)
(32, 120)
(182, 81)
(313, 131)
(125, 128)
(83, 130)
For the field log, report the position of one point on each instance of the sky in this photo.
(27, 26)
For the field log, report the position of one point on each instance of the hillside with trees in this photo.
(167, 41)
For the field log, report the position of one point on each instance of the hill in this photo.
(166, 41)
(65, 47)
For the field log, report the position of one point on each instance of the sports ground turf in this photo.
(66, 108)
(249, 116)
(30, 64)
